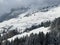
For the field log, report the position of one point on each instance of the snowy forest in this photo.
(50, 38)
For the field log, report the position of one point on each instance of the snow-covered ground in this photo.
(35, 31)
(21, 23)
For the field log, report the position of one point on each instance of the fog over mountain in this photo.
(6, 5)
(29, 22)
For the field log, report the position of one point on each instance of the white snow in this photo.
(21, 23)
(35, 31)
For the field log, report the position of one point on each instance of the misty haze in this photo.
(29, 22)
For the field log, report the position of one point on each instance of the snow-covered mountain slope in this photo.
(22, 22)
(35, 31)
(17, 11)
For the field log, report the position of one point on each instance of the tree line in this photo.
(51, 38)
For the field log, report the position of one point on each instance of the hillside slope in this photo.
(22, 21)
